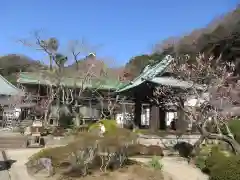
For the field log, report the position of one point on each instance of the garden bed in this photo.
(91, 155)
(134, 171)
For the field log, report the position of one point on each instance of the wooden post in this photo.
(182, 124)
(162, 117)
(137, 112)
(154, 122)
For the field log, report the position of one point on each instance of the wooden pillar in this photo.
(154, 122)
(162, 116)
(137, 112)
(182, 123)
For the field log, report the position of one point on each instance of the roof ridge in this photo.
(150, 73)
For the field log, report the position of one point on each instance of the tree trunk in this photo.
(46, 113)
(77, 120)
(196, 146)
(232, 142)
(50, 62)
(207, 135)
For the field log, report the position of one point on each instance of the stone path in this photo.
(18, 170)
(177, 169)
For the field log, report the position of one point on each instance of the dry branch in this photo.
(58, 91)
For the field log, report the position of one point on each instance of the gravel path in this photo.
(177, 169)
(18, 170)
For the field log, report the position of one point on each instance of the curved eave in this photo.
(8, 88)
(176, 83)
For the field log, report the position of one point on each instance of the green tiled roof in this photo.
(6, 88)
(149, 73)
(44, 79)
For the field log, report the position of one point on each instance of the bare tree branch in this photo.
(222, 96)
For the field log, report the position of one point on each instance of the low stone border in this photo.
(167, 141)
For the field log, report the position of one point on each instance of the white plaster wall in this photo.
(123, 118)
(145, 117)
(169, 117)
(194, 101)
(12, 113)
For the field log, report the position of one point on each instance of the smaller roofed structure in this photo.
(142, 90)
(8, 89)
(153, 75)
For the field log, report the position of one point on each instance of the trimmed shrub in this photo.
(214, 158)
(219, 164)
(200, 163)
(152, 150)
(234, 126)
(61, 153)
(87, 152)
(113, 131)
(139, 149)
(209, 157)
(110, 125)
(200, 160)
(227, 168)
(134, 149)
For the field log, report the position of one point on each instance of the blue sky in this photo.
(121, 28)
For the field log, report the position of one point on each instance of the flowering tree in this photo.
(213, 84)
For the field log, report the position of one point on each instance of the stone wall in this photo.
(168, 140)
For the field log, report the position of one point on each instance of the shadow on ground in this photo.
(6, 165)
